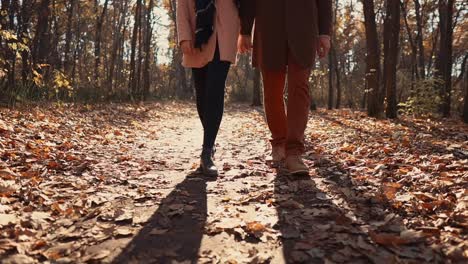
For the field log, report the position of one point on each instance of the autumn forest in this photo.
(396, 54)
(100, 141)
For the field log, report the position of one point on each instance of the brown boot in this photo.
(278, 153)
(277, 156)
(295, 165)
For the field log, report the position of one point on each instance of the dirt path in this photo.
(361, 204)
(251, 213)
(203, 218)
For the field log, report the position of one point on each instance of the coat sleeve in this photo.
(247, 16)
(325, 16)
(184, 29)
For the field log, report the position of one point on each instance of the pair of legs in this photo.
(287, 125)
(210, 84)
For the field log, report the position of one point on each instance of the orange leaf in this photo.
(53, 165)
(389, 189)
(387, 239)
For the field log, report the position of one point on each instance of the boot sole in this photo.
(209, 174)
(201, 171)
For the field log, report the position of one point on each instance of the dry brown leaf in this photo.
(292, 204)
(4, 127)
(387, 239)
(8, 219)
(18, 259)
(123, 231)
(98, 255)
(348, 148)
(424, 196)
(7, 188)
(389, 190)
(7, 174)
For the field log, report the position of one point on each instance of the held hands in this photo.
(323, 46)
(188, 48)
(244, 44)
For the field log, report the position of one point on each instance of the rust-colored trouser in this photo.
(287, 128)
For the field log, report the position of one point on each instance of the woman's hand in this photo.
(244, 43)
(188, 48)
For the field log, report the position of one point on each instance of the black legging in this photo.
(210, 83)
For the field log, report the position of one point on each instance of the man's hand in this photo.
(323, 46)
(244, 43)
(187, 47)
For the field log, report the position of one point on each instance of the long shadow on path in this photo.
(312, 227)
(318, 222)
(175, 230)
(293, 196)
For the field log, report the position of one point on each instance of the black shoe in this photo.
(206, 163)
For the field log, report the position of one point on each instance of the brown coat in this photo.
(226, 31)
(285, 24)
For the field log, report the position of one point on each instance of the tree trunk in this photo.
(374, 97)
(181, 87)
(462, 71)
(55, 59)
(76, 43)
(41, 39)
(140, 52)
(465, 107)
(97, 47)
(364, 101)
(149, 35)
(335, 58)
(444, 60)
(331, 71)
(26, 11)
(248, 74)
(68, 37)
(120, 58)
(14, 11)
(338, 80)
(257, 89)
(420, 39)
(414, 49)
(133, 78)
(391, 41)
(118, 38)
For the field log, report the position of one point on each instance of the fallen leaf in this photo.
(389, 190)
(7, 219)
(123, 231)
(255, 228)
(7, 174)
(4, 127)
(18, 259)
(291, 204)
(387, 239)
(98, 255)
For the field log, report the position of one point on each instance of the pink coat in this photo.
(226, 30)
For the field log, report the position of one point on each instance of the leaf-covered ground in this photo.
(117, 184)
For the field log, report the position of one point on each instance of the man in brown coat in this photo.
(287, 36)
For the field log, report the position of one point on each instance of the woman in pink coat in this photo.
(208, 32)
